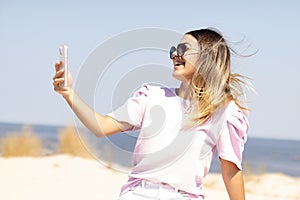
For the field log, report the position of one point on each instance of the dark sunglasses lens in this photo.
(172, 50)
(181, 49)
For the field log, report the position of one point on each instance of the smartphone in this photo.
(63, 57)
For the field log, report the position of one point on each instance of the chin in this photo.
(178, 76)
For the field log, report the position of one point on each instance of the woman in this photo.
(180, 128)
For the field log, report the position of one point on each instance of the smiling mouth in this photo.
(178, 63)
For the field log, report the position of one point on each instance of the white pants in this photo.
(155, 191)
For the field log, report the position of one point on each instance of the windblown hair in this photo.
(213, 83)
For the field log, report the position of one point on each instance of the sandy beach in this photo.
(67, 177)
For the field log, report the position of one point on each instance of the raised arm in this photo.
(233, 179)
(98, 124)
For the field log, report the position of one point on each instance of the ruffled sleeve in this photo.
(132, 111)
(233, 138)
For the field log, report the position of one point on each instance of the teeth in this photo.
(179, 63)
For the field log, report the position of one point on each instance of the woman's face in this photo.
(185, 66)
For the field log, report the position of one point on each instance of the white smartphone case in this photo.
(63, 57)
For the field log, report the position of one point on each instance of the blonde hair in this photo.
(213, 83)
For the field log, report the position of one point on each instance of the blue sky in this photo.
(31, 32)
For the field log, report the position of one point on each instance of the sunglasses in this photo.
(181, 51)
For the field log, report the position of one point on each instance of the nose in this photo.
(173, 52)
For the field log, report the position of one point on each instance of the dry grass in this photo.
(24, 143)
(247, 172)
(70, 143)
(250, 174)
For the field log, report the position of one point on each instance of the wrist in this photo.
(69, 98)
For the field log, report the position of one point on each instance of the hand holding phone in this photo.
(63, 58)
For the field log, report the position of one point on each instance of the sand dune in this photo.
(67, 177)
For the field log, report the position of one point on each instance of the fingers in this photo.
(58, 84)
(58, 65)
(58, 81)
(58, 74)
(60, 88)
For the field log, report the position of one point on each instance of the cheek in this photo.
(192, 60)
(189, 70)
(190, 67)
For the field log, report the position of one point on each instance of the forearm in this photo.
(233, 180)
(95, 122)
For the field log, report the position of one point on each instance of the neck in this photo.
(184, 91)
